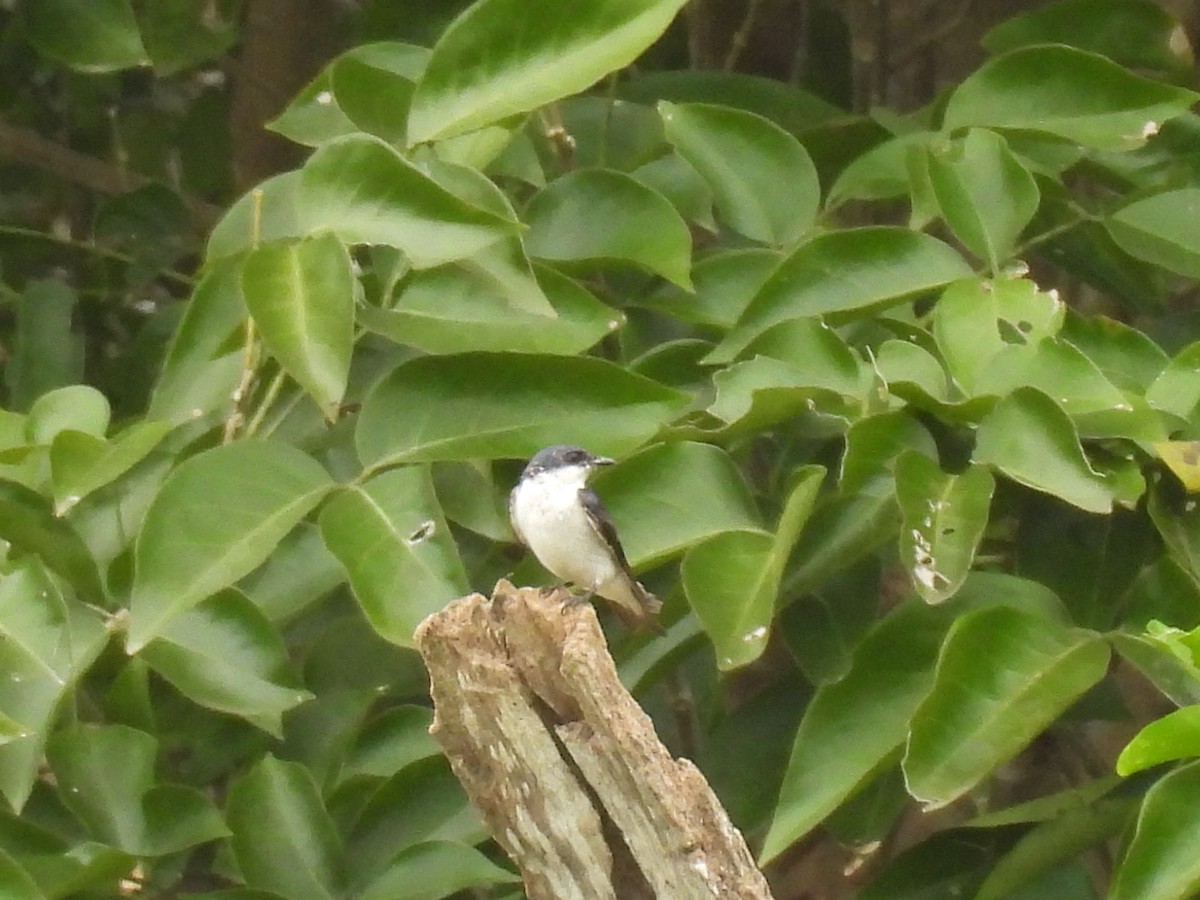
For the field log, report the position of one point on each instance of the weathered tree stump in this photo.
(562, 763)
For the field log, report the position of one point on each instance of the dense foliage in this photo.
(905, 405)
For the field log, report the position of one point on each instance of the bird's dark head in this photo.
(561, 457)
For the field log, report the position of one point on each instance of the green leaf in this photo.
(1029, 438)
(490, 405)
(724, 283)
(1177, 389)
(873, 444)
(852, 728)
(50, 639)
(87, 35)
(601, 214)
(283, 839)
(391, 741)
(81, 464)
(845, 274)
(77, 407)
(881, 173)
(15, 882)
(393, 540)
(46, 353)
(732, 580)
(217, 517)
(267, 213)
(763, 180)
(299, 571)
(452, 309)
(301, 296)
(105, 774)
(29, 524)
(986, 196)
(374, 84)
(1129, 359)
(843, 530)
(436, 869)
(367, 193)
(504, 57)
(224, 655)
(671, 496)
(1136, 33)
(1163, 229)
(976, 320)
(1162, 861)
(1003, 676)
(1175, 736)
(944, 520)
(1075, 95)
(1179, 525)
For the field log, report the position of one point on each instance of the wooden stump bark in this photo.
(562, 763)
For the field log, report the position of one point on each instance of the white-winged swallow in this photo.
(556, 515)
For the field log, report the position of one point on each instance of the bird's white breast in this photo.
(553, 523)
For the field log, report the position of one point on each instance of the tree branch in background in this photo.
(562, 763)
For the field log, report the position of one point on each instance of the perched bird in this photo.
(557, 516)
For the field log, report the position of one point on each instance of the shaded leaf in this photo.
(367, 193)
(224, 655)
(217, 517)
(436, 869)
(845, 274)
(283, 838)
(488, 405)
(45, 353)
(81, 464)
(30, 525)
(87, 35)
(393, 541)
(504, 57)
(640, 226)
(1029, 438)
(1075, 95)
(1003, 676)
(732, 580)
(301, 296)
(1162, 861)
(1163, 229)
(762, 178)
(944, 520)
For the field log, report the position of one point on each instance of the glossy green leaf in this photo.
(843, 530)
(874, 443)
(50, 639)
(1163, 229)
(106, 777)
(1002, 677)
(944, 520)
(640, 226)
(28, 523)
(854, 727)
(15, 882)
(283, 839)
(373, 85)
(267, 213)
(732, 580)
(677, 180)
(46, 353)
(452, 309)
(976, 320)
(224, 655)
(392, 538)
(1162, 861)
(1174, 736)
(671, 496)
(1029, 438)
(724, 283)
(367, 193)
(391, 741)
(87, 35)
(474, 405)
(1138, 34)
(299, 571)
(881, 173)
(1177, 389)
(301, 296)
(436, 869)
(762, 178)
(77, 407)
(81, 464)
(1075, 95)
(217, 517)
(986, 195)
(1129, 358)
(845, 274)
(504, 57)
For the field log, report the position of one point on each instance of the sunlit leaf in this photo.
(1163, 229)
(1162, 861)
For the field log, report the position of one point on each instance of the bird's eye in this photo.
(574, 457)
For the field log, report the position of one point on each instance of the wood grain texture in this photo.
(564, 766)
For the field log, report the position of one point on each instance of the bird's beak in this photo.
(602, 461)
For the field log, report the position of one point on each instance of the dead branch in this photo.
(562, 763)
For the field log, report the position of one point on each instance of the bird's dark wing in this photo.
(603, 523)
